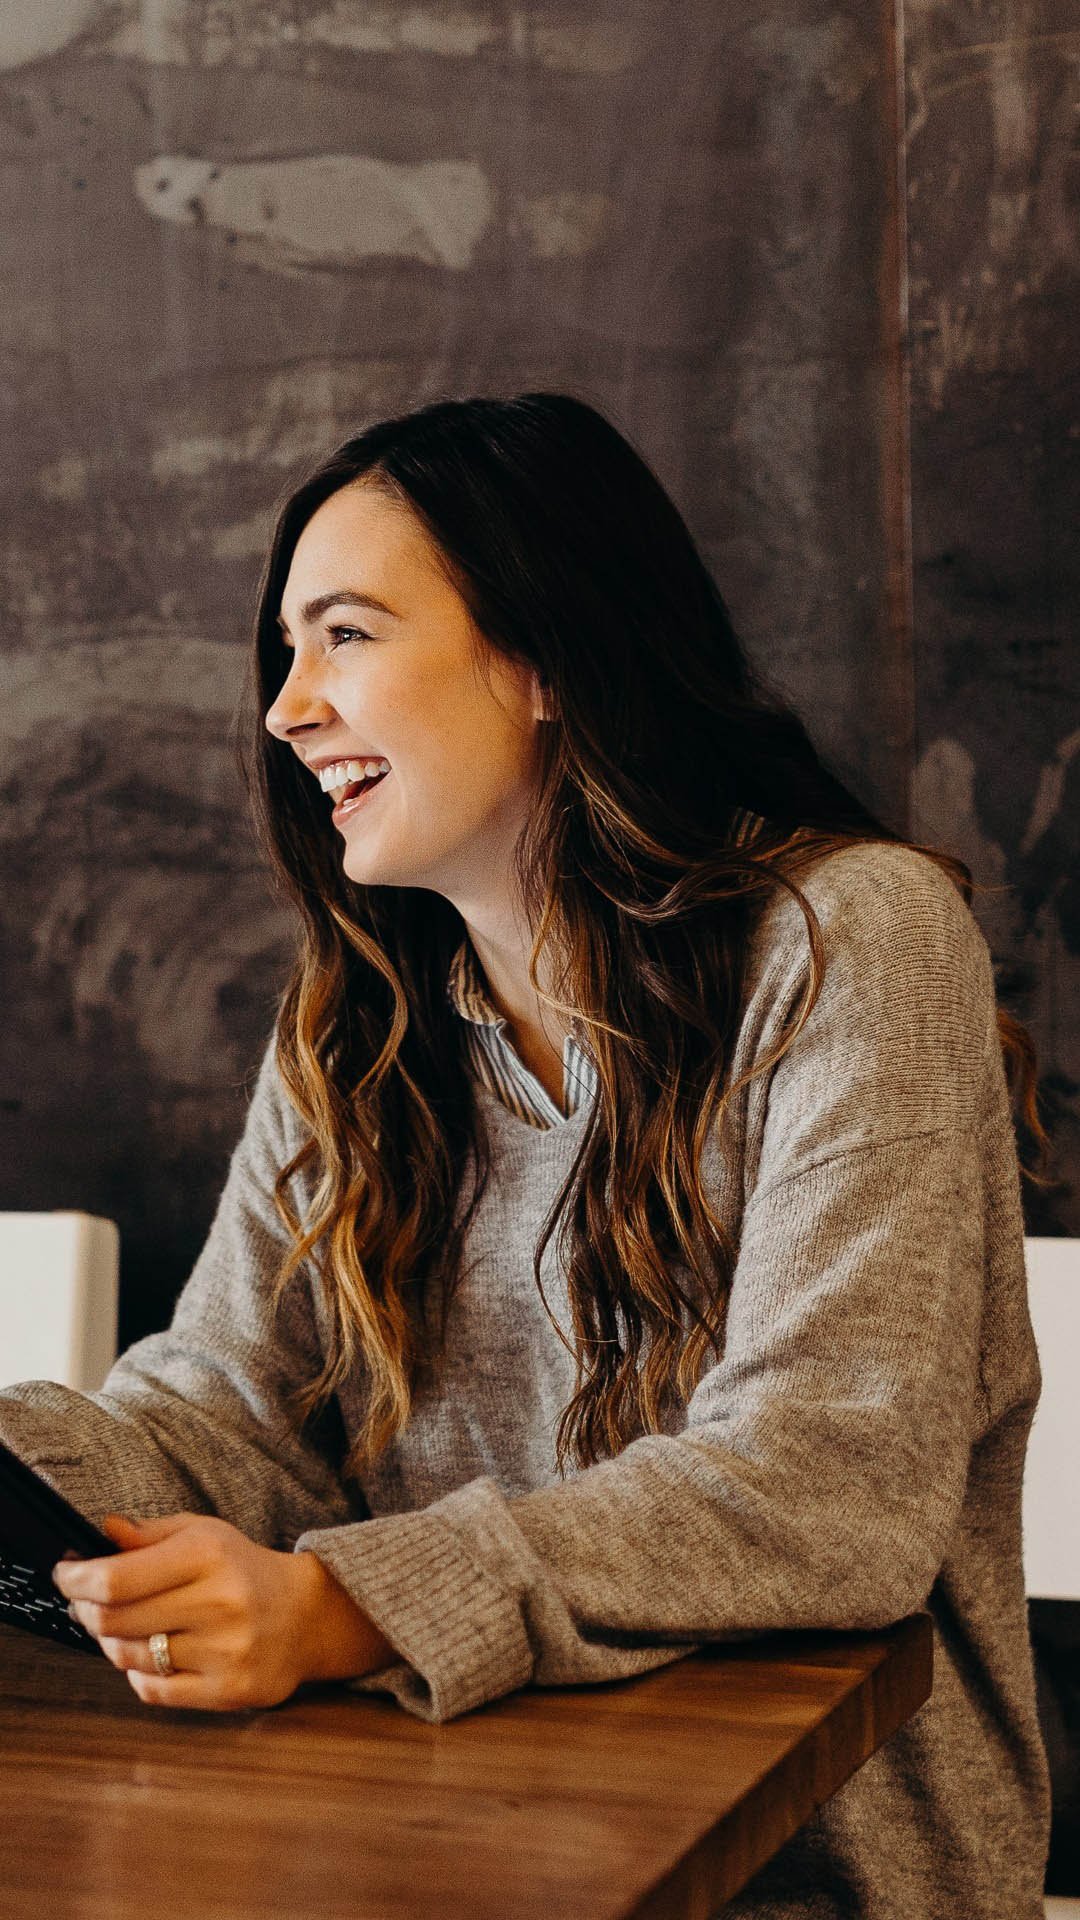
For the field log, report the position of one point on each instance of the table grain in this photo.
(654, 1797)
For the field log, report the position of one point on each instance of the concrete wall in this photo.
(994, 248)
(230, 234)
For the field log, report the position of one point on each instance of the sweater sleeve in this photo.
(193, 1418)
(822, 1467)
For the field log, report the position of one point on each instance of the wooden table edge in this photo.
(748, 1834)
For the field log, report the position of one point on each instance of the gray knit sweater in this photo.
(856, 1454)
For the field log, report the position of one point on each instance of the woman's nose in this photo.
(298, 704)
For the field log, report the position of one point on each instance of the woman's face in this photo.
(400, 682)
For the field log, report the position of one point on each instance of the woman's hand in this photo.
(247, 1625)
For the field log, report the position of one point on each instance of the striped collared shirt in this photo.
(495, 1059)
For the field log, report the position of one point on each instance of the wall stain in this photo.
(333, 209)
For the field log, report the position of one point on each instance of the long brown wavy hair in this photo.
(573, 560)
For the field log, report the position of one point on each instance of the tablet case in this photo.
(38, 1527)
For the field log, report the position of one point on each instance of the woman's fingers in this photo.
(220, 1688)
(179, 1609)
(209, 1694)
(169, 1553)
(126, 1533)
(134, 1656)
(246, 1617)
(187, 1687)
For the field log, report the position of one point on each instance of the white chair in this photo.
(1052, 1473)
(58, 1297)
(1051, 1478)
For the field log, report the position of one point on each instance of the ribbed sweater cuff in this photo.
(461, 1634)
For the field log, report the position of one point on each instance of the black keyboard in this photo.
(29, 1599)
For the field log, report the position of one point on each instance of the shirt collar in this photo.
(468, 995)
(465, 989)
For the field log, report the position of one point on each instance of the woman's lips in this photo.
(345, 808)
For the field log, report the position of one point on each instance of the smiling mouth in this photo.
(355, 789)
(360, 786)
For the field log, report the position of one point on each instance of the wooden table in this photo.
(657, 1797)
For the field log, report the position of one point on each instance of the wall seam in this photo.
(896, 449)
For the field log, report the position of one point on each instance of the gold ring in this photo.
(158, 1644)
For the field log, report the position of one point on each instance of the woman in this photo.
(624, 1247)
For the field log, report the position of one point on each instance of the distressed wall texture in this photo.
(994, 246)
(232, 233)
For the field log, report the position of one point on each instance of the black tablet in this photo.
(38, 1527)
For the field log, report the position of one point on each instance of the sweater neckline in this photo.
(568, 1122)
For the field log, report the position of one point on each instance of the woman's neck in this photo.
(537, 1032)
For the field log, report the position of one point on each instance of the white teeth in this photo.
(341, 772)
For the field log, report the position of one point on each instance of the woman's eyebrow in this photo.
(341, 597)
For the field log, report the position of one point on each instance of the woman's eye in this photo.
(345, 634)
